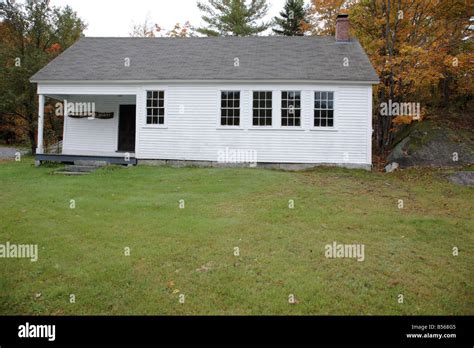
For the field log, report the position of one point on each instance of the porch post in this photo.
(39, 148)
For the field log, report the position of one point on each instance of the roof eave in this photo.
(363, 82)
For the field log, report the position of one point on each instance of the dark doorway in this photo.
(126, 135)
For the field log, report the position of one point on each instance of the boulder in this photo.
(432, 144)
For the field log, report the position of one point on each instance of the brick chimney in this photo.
(342, 27)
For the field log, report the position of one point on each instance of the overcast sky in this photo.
(116, 17)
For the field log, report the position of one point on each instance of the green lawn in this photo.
(190, 251)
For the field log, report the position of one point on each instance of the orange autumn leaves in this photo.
(54, 48)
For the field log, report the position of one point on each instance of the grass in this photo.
(190, 251)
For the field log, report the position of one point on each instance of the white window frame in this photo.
(301, 109)
(165, 105)
(335, 107)
(266, 90)
(219, 108)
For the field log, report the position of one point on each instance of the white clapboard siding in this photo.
(192, 130)
(192, 118)
(94, 136)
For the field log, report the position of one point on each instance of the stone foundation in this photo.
(279, 166)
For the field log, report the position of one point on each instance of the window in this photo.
(262, 108)
(155, 107)
(230, 108)
(291, 108)
(324, 109)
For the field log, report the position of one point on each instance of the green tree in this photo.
(233, 17)
(33, 33)
(293, 20)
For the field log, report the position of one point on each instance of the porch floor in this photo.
(116, 158)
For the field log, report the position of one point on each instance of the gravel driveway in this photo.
(9, 152)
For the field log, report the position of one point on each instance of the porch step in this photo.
(90, 163)
(80, 168)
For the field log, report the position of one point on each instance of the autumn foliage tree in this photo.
(148, 29)
(421, 50)
(324, 13)
(33, 33)
(182, 30)
(418, 50)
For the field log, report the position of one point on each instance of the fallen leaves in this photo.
(170, 284)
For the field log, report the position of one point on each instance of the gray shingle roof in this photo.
(260, 58)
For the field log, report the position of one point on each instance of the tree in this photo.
(293, 20)
(233, 17)
(145, 29)
(324, 15)
(185, 30)
(420, 49)
(416, 47)
(33, 33)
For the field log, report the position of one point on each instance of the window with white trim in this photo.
(230, 108)
(324, 109)
(155, 107)
(262, 108)
(291, 108)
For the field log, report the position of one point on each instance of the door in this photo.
(126, 135)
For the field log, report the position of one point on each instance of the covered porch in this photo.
(97, 127)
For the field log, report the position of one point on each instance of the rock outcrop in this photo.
(430, 143)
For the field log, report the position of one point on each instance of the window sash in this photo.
(230, 108)
(262, 111)
(323, 109)
(291, 108)
(155, 107)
